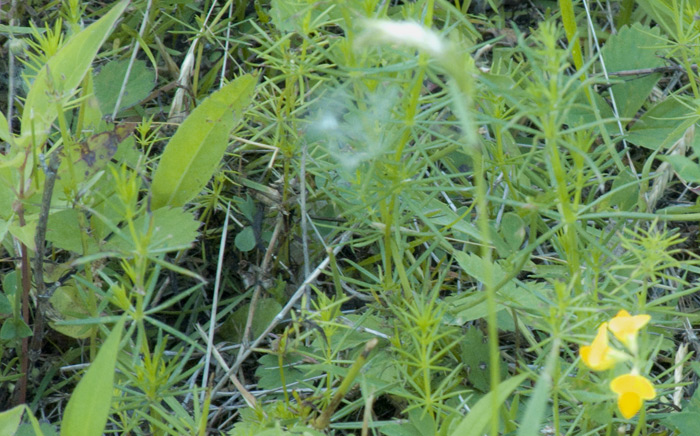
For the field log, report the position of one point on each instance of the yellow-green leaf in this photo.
(58, 79)
(10, 419)
(194, 152)
(66, 301)
(87, 410)
(479, 416)
(5, 134)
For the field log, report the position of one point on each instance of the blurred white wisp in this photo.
(355, 127)
(403, 33)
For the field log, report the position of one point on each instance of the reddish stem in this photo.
(24, 358)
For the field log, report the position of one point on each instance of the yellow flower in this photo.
(631, 389)
(598, 356)
(625, 327)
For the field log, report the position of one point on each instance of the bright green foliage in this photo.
(169, 230)
(67, 301)
(87, 411)
(443, 179)
(194, 152)
(478, 417)
(55, 84)
(9, 421)
(4, 129)
(90, 156)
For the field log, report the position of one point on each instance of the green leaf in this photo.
(662, 125)
(475, 356)
(194, 152)
(108, 83)
(14, 328)
(475, 266)
(440, 214)
(686, 168)
(247, 207)
(87, 410)
(36, 429)
(5, 305)
(58, 79)
(66, 301)
(63, 231)
(173, 229)
(269, 375)
(479, 416)
(665, 13)
(305, 15)
(39, 429)
(265, 311)
(419, 424)
(10, 419)
(513, 230)
(9, 284)
(687, 423)
(296, 15)
(626, 198)
(582, 112)
(693, 404)
(536, 406)
(7, 182)
(245, 239)
(5, 134)
(4, 227)
(26, 232)
(403, 429)
(633, 48)
(93, 154)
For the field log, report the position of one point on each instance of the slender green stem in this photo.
(641, 423)
(568, 17)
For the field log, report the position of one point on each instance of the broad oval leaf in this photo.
(88, 408)
(108, 83)
(61, 75)
(14, 328)
(69, 306)
(245, 239)
(194, 152)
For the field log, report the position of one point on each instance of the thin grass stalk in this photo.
(569, 19)
(461, 73)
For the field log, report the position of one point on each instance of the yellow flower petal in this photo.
(631, 390)
(625, 326)
(633, 383)
(597, 356)
(629, 404)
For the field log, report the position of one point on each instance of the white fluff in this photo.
(406, 33)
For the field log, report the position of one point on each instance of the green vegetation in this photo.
(366, 217)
